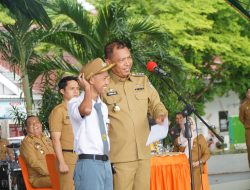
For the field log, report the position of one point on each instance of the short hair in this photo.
(63, 82)
(179, 113)
(108, 50)
(26, 120)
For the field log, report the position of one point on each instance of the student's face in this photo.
(179, 119)
(100, 82)
(122, 60)
(71, 90)
(34, 126)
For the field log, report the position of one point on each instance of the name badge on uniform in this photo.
(139, 89)
(112, 93)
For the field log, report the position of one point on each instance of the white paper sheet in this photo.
(158, 132)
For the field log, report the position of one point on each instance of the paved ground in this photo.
(229, 172)
(233, 181)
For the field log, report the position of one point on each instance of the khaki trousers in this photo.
(66, 179)
(197, 177)
(134, 175)
(247, 134)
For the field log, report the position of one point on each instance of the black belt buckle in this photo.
(105, 157)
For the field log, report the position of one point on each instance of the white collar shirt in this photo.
(87, 136)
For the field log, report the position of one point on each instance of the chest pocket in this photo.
(141, 95)
(113, 99)
(40, 151)
(66, 120)
(3, 148)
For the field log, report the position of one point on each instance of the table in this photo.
(170, 172)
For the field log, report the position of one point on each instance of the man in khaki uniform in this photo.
(62, 133)
(4, 150)
(244, 117)
(129, 98)
(33, 149)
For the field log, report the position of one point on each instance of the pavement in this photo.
(229, 172)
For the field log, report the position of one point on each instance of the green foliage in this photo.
(86, 37)
(19, 117)
(4, 16)
(201, 31)
(18, 39)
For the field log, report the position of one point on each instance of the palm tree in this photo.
(18, 40)
(85, 35)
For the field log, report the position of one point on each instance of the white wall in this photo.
(229, 102)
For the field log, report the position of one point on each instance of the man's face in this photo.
(71, 90)
(122, 60)
(179, 119)
(34, 126)
(100, 82)
(248, 93)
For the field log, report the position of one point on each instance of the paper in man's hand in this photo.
(158, 132)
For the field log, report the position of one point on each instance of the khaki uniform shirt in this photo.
(244, 114)
(33, 151)
(132, 99)
(204, 153)
(59, 122)
(4, 150)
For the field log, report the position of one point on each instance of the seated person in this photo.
(4, 150)
(175, 130)
(213, 142)
(33, 149)
(199, 157)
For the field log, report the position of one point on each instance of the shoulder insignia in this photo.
(138, 74)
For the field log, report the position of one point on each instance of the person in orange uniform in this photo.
(62, 133)
(33, 149)
(130, 97)
(200, 151)
(244, 117)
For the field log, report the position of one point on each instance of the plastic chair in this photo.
(54, 176)
(26, 176)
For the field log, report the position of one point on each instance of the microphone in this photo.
(153, 67)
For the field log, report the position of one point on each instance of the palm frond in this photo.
(44, 65)
(30, 9)
(75, 12)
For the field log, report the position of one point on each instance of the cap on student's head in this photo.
(94, 67)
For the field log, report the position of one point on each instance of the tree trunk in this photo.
(27, 92)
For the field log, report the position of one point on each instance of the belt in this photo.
(68, 150)
(93, 157)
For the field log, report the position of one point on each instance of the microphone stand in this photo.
(188, 110)
(188, 136)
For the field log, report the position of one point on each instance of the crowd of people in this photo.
(99, 135)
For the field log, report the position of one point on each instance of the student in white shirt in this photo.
(89, 118)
